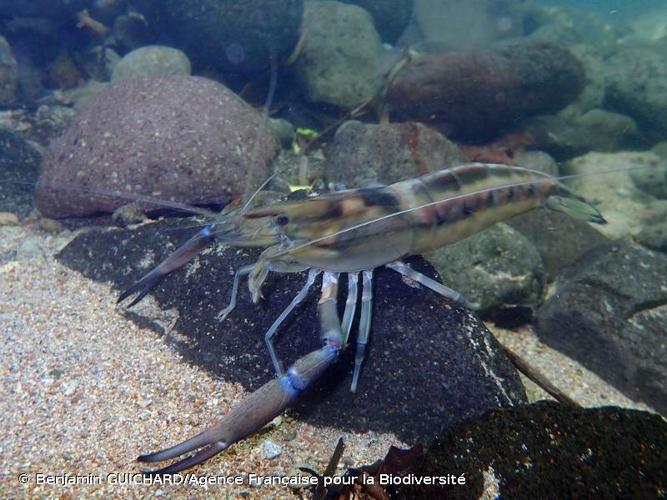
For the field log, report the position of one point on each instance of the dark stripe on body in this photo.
(444, 180)
(494, 198)
(378, 197)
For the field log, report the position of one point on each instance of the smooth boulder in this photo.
(478, 93)
(180, 138)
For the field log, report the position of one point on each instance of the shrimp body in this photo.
(352, 231)
(357, 229)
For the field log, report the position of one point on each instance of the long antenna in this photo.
(260, 133)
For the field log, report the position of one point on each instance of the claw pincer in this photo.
(260, 407)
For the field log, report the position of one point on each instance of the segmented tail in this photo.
(568, 202)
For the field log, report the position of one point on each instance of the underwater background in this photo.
(127, 126)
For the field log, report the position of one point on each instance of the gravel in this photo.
(86, 391)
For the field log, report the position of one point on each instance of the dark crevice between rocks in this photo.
(644, 307)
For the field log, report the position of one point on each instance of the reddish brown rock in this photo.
(180, 138)
(477, 94)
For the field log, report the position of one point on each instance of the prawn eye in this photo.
(282, 220)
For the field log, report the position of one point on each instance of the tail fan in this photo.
(575, 206)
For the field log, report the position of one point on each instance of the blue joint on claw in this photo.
(207, 230)
(251, 414)
(265, 403)
(294, 381)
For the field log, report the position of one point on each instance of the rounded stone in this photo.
(498, 268)
(637, 85)
(230, 35)
(180, 138)
(341, 59)
(361, 153)
(152, 60)
(454, 25)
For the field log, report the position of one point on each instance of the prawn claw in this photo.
(258, 409)
(176, 260)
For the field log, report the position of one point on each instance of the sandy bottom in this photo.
(85, 391)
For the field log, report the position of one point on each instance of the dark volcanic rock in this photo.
(19, 166)
(547, 450)
(230, 35)
(387, 153)
(181, 138)
(478, 93)
(609, 312)
(430, 363)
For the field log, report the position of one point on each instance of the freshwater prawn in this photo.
(349, 232)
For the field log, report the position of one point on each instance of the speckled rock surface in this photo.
(341, 58)
(152, 60)
(477, 93)
(179, 138)
(637, 86)
(19, 166)
(78, 368)
(609, 312)
(229, 35)
(387, 153)
(652, 180)
(547, 450)
(430, 363)
(596, 130)
(654, 234)
(497, 268)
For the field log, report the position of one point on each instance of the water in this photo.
(616, 7)
(167, 105)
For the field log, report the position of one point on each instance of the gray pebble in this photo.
(151, 60)
(29, 249)
(270, 450)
